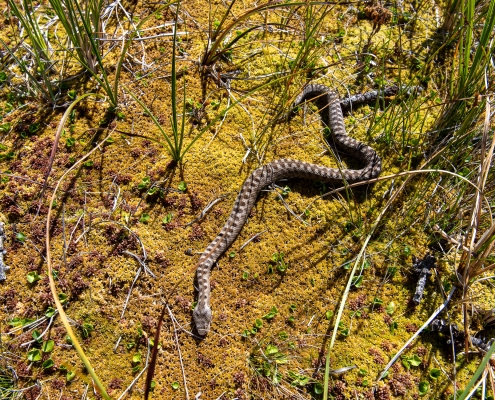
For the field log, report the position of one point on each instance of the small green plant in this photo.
(329, 315)
(21, 237)
(34, 355)
(32, 277)
(167, 219)
(390, 309)
(182, 186)
(86, 329)
(47, 364)
(271, 314)
(423, 388)
(435, 373)
(175, 385)
(63, 298)
(278, 259)
(48, 346)
(411, 361)
(145, 183)
(145, 218)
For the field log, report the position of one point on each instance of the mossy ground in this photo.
(87, 238)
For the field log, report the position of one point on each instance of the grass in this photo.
(436, 192)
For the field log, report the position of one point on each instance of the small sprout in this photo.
(245, 333)
(365, 383)
(357, 281)
(47, 346)
(47, 364)
(70, 375)
(86, 330)
(423, 388)
(292, 308)
(5, 128)
(89, 163)
(407, 251)
(21, 237)
(36, 335)
(130, 345)
(307, 213)
(362, 372)
(435, 373)
(182, 186)
(152, 385)
(411, 361)
(393, 326)
(33, 277)
(392, 271)
(72, 94)
(298, 380)
(167, 218)
(232, 254)
(269, 270)
(136, 358)
(271, 314)
(318, 388)
(120, 116)
(50, 312)
(33, 128)
(258, 323)
(175, 385)
(63, 298)
(377, 301)
(34, 355)
(283, 335)
(215, 104)
(291, 319)
(329, 314)
(70, 142)
(3, 76)
(345, 332)
(144, 183)
(278, 259)
(109, 140)
(312, 281)
(245, 275)
(68, 340)
(145, 218)
(271, 349)
(390, 309)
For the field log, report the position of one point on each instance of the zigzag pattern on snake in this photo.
(330, 109)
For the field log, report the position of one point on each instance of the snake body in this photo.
(331, 115)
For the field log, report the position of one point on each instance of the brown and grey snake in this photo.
(331, 114)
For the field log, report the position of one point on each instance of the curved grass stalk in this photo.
(60, 309)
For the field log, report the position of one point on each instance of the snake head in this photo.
(202, 319)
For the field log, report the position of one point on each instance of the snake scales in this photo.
(331, 114)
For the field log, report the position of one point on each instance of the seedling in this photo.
(278, 259)
(72, 94)
(435, 373)
(47, 364)
(298, 380)
(89, 163)
(21, 237)
(34, 355)
(36, 335)
(33, 277)
(271, 314)
(63, 298)
(411, 361)
(423, 388)
(50, 312)
(182, 186)
(283, 335)
(70, 142)
(145, 218)
(245, 275)
(232, 254)
(329, 314)
(70, 375)
(175, 385)
(167, 218)
(377, 301)
(47, 346)
(390, 309)
(258, 324)
(144, 183)
(292, 308)
(86, 329)
(393, 326)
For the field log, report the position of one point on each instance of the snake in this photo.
(331, 113)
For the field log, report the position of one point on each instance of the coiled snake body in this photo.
(331, 114)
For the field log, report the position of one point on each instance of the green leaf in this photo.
(423, 388)
(47, 364)
(377, 301)
(318, 388)
(271, 349)
(357, 281)
(362, 372)
(72, 94)
(232, 254)
(145, 218)
(50, 312)
(182, 186)
(144, 183)
(283, 335)
(89, 163)
(175, 385)
(36, 335)
(32, 277)
(258, 323)
(245, 275)
(34, 355)
(435, 373)
(167, 218)
(136, 358)
(390, 309)
(271, 314)
(21, 237)
(47, 346)
(3, 77)
(70, 142)
(63, 298)
(329, 314)
(4, 128)
(415, 361)
(70, 375)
